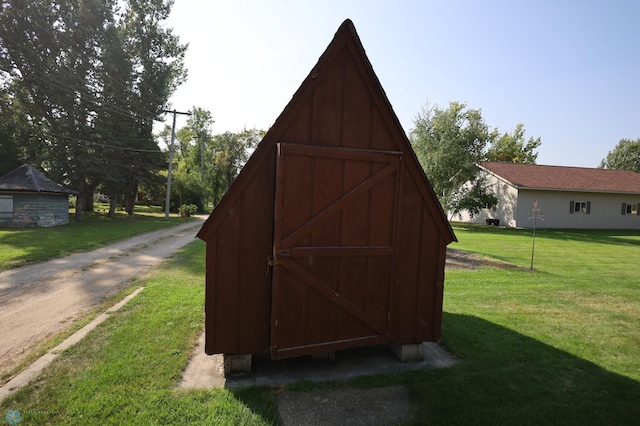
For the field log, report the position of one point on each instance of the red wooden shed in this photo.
(331, 237)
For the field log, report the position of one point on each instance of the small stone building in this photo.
(29, 199)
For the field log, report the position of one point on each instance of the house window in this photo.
(630, 208)
(6, 205)
(491, 207)
(580, 207)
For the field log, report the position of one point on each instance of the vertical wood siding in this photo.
(339, 105)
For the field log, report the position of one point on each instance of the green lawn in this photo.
(21, 246)
(556, 345)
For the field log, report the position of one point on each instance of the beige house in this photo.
(568, 197)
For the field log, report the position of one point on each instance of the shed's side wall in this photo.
(238, 289)
(416, 299)
(30, 210)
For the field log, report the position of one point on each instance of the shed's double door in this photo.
(335, 218)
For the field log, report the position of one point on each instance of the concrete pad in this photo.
(373, 406)
(204, 371)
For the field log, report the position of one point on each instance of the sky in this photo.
(568, 70)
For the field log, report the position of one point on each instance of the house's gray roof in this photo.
(559, 178)
(27, 179)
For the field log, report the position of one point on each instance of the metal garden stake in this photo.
(535, 215)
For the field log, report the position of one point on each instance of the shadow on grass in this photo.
(504, 377)
(259, 399)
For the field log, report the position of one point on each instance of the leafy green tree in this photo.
(514, 148)
(231, 151)
(200, 123)
(186, 185)
(51, 50)
(157, 59)
(92, 76)
(449, 143)
(625, 156)
(16, 135)
(193, 157)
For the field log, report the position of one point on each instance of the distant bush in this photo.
(187, 210)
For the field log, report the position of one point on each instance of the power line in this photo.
(71, 55)
(123, 148)
(74, 55)
(49, 79)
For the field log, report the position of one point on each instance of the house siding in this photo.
(506, 209)
(605, 210)
(518, 186)
(30, 210)
(515, 207)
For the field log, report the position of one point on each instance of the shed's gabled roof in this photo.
(559, 178)
(345, 46)
(27, 179)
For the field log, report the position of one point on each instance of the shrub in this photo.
(187, 210)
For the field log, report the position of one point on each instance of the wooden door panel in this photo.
(332, 270)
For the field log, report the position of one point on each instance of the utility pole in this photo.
(202, 170)
(173, 138)
(203, 137)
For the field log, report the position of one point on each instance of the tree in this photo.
(625, 156)
(231, 151)
(50, 51)
(223, 157)
(200, 123)
(513, 148)
(157, 59)
(192, 157)
(16, 135)
(91, 76)
(449, 143)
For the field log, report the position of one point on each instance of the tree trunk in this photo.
(129, 204)
(80, 201)
(87, 202)
(130, 198)
(79, 217)
(113, 204)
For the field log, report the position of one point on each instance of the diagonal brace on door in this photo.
(318, 285)
(340, 204)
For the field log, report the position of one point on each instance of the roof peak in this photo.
(507, 163)
(27, 178)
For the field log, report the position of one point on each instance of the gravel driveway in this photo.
(41, 300)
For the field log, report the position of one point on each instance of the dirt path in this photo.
(41, 300)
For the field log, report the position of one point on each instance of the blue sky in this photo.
(568, 70)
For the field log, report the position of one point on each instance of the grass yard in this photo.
(556, 345)
(21, 246)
